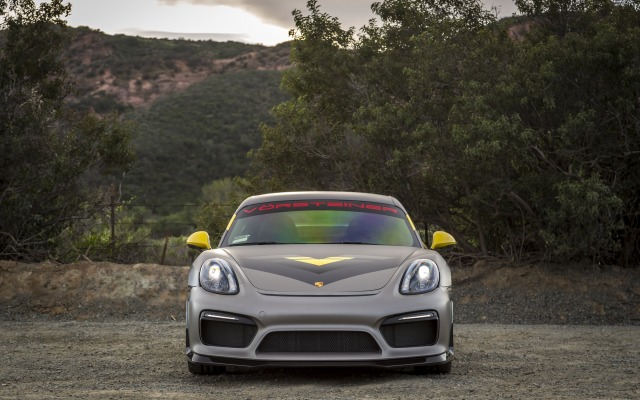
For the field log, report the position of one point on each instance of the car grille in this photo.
(318, 342)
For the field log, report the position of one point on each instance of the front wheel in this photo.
(444, 368)
(433, 369)
(440, 368)
(199, 369)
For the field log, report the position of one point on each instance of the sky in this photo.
(253, 21)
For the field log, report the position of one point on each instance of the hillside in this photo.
(117, 72)
(197, 105)
(187, 139)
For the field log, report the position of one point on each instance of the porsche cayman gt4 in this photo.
(319, 279)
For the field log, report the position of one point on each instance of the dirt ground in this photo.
(99, 330)
(134, 360)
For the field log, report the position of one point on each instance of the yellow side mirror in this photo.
(199, 240)
(442, 239)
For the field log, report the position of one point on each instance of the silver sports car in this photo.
(319, 279)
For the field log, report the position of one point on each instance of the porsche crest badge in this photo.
(319, 284)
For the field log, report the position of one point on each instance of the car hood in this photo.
(319, 269)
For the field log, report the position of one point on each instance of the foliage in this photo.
(221, 198)
(47, 150)
(133, 241)
(519, 136)
(96, 241)
(200, 134)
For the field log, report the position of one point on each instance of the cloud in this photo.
(278, 12)
(505, 7)
(350, 12)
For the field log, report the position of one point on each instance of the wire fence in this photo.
(164, 242)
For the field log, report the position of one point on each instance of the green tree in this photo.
(47, 150)
(372, 114)
(579, 79)
(306, 142)
(520, 136)
(220, 200)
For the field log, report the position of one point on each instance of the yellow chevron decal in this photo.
(319, 261)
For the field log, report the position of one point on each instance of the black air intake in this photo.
(226, 330)
(411, 330)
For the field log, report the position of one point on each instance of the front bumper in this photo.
(359, 315)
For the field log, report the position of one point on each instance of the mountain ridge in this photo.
(196, 106)
(120, 72)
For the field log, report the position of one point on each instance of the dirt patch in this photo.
(484, 292)
(542, 294)
(92, 290)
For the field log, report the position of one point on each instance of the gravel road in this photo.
(56, 359)
(101, 330)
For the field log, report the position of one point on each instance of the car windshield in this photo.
(321, 222)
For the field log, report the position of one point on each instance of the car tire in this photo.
(199, 369)
(433, 369)
(440, 368)
(444, 368)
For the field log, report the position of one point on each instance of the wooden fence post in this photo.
(113, 220)
(164, 250)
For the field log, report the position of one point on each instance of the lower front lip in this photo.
(290, 313)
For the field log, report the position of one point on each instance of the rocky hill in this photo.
(118, 72)
(191, 103)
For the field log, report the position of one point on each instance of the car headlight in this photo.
(217, 276)
(422, 276)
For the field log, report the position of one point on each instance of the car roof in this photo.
(322, 195)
